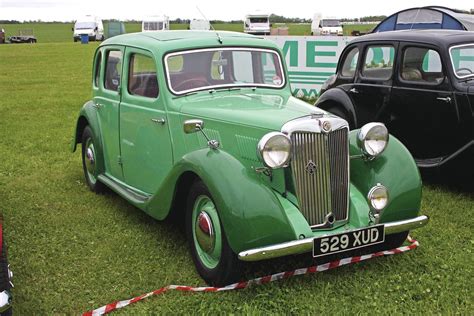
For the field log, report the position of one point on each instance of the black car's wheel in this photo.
(89, 161)
(4, 276)
(215, 261)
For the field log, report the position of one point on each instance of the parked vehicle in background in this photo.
(88, 25)
(156, 23)
(24, 36)
(257, 24)
(5, 278)
(419, 83)
(2, 36)
(199, 25)
(204, 127)
(321, 26)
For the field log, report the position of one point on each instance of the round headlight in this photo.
(378, 197)
(275, 148)
(373, 139)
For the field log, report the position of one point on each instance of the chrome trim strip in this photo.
(168, 78)
(306, 245)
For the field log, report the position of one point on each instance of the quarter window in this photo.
(379, 62)
(142, 78)
(113, 70)
(422, 65)
(98, 63)
(350, 63)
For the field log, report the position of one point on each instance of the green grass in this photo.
(58, 32)
(72, 250)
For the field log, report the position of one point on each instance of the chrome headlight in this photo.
(378, 197)
(275, 149)
(373, 139)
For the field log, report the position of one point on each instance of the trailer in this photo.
(24, 36)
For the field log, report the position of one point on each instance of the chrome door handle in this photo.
(97, 105)
(447, 99)
(354, 90)
(158, 120)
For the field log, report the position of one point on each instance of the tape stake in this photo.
(258, 281)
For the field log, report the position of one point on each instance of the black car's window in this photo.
(422, 65)
(378, 62)
(350, 63)
(113, 69)
(98, 63)
(142, 78)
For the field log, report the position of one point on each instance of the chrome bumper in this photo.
(306, 245)
(5, 300)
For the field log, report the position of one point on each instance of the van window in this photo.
(379, 62)
(113, 70)
(142, 78)
(98, 63)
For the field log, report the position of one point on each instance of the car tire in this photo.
(89, 161)
(337, 110)
(215, 261)
(4, 276)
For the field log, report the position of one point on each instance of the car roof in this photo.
(436, 37)
(177, 40)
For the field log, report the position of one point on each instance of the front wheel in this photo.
(338, 111)
(215, 261)
(89, 161)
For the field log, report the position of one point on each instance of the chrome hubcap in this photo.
(89, 159)
(205, 236)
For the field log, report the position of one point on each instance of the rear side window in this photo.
(98, 63)
(378, 62)
(113, 70)
(142, 79)
(422, 65)
(350, 63)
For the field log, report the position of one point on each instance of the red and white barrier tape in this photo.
(262, 280)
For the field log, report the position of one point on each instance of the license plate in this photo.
(354, 239)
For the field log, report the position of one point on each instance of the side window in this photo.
(378, 62)
(113, 70)
(98, 63)
(142, 78)
(350, 63)
(422, 65)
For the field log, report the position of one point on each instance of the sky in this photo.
(63, 10)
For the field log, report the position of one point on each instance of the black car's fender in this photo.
(338, 98)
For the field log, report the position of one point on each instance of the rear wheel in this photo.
(89, 161)
(215, 261)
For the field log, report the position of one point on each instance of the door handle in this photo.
(97, 105)
(446, 99)
(354, 90)
(158, 120)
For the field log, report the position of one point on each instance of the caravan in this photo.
(321, 26)
(156, 23)
(257, 24)
(88, 25)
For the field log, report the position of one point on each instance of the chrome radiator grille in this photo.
(320, 172)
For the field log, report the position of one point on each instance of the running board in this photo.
(126, 192)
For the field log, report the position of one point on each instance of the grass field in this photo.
(72, 250)
(58, 32)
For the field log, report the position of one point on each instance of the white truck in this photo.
(199, 25)
(328, 26)
(88, 25)
(156, 23)
(257, 24)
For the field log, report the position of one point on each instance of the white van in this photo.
(156, 23)
(90, 25)
(199, 25)
(321, 26)
(257, 24)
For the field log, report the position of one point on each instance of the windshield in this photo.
(258, 20)
(223, 68)
(330, 23)
(462, 58)
(84, 25)
(152, 26)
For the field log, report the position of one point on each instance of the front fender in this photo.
(251, 212)
(396, 170)
(339, 96)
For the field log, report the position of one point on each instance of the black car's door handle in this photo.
(446, 99)
(354, 90)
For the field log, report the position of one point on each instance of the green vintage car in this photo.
(203, 126)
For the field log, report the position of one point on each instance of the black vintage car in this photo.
(420, 83)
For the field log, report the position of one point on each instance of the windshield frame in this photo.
(224, 86)
(452, 61)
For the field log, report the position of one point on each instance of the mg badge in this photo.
(326, 126)
(310, 167)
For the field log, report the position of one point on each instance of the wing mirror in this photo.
(193, 126)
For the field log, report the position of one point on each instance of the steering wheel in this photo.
(192, 82)
(464, 69)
